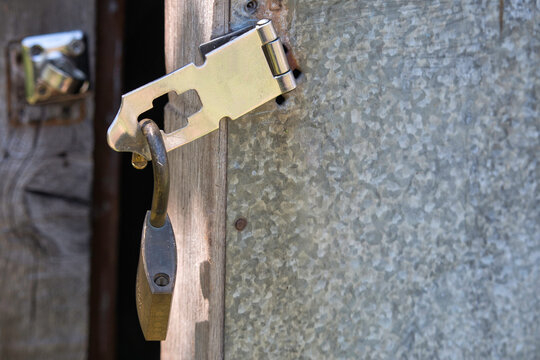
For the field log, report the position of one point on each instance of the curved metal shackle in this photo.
(160, 164)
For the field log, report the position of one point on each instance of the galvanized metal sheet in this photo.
(392, 201)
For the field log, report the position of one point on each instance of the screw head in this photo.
(240, 224)
(41, 89)
(161, 279)
(251, 6)
(76, 47)
(36, 50)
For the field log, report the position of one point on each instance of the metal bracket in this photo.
(242, 71)
(48, 79)
(56, 66)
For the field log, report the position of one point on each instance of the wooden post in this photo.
(104, 243)
(197, 199)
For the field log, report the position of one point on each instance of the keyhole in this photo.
(161, 279)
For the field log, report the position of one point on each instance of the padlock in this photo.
(156, 273)
(242, 70)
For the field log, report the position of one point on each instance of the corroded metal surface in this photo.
(391, 202)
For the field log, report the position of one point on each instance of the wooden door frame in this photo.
(198, 195)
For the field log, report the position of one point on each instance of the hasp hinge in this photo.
(242, 71)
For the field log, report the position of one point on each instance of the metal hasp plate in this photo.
(55, 67)
(236, 77)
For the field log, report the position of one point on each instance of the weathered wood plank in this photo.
(197, 199)
(46, 174)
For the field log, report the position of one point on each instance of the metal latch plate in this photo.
(236, 77)
(55, 66)
(48, 78)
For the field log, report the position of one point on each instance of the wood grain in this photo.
(197, 199)
(45, 186)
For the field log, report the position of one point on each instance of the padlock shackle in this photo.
(160, 164)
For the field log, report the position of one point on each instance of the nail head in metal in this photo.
(76, 47)
(251, 6)
(36, 50)
(240, 224)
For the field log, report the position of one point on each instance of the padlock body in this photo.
(156, 275)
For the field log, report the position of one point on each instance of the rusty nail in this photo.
(240, 224)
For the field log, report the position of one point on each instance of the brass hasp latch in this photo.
(242, 71)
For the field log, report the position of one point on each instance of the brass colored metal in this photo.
(156, 273)
(242, 71)
(160, 164)
(63, 76)
(138, 161)
(237, 77)
(55, 67)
